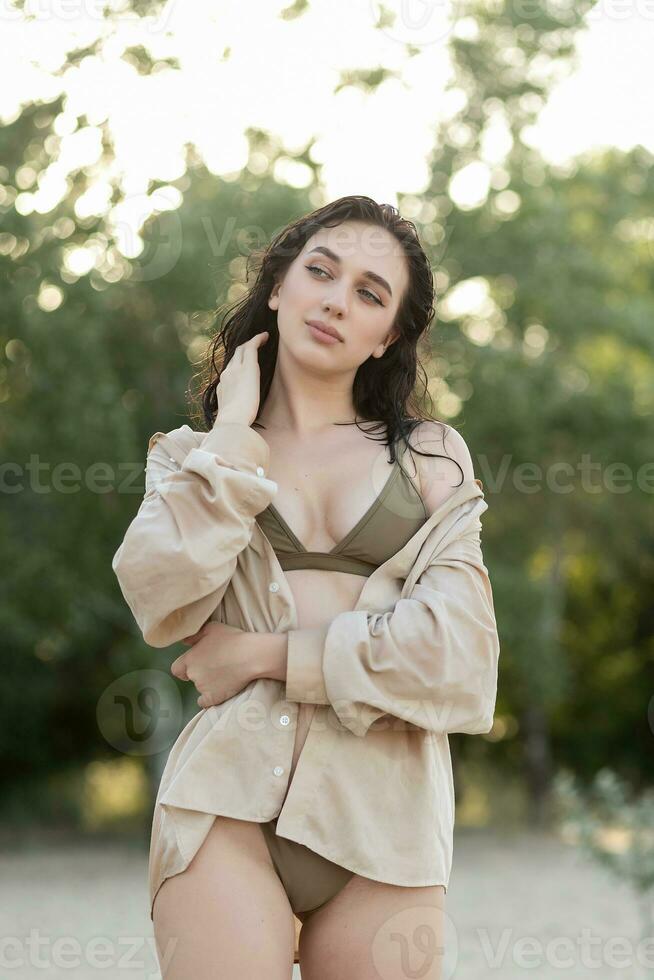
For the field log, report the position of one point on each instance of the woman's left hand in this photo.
(221, 662)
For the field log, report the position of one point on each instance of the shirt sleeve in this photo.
(181, 549)
(430, 662)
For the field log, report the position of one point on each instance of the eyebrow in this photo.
(374, 276)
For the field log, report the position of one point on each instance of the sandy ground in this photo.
(519, 905)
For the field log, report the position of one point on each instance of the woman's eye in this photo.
(316, 268)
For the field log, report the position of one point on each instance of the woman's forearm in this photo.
(271, 656)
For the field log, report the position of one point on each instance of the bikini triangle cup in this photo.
(391, 520)
(387, 526)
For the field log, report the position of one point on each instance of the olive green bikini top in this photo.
(388, 524)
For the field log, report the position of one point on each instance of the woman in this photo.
(356, 607)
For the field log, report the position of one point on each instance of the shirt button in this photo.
(284, 719)
(260, 471)
(273, 587)
(278, 770)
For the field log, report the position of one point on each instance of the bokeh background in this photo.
(145, 150)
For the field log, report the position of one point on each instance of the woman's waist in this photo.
(320, 596)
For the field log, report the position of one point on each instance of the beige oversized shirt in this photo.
(414, 660)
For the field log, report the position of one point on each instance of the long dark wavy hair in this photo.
(386, 390)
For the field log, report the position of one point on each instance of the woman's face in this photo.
(356, 286)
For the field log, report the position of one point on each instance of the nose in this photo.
(336, 303)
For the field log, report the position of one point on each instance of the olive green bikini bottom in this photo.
(309, 879)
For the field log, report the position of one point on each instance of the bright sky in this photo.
(280, 76)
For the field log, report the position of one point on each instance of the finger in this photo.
(178, 668)
(194, 637)
(255, 341)
(191, 639)
(251, 344)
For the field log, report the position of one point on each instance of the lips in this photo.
(330, 331)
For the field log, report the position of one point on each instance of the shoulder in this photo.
(438, 473)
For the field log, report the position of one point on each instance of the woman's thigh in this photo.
(372, 930)
(227, 914)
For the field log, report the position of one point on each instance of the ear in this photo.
(273, 299)
(381, 349)
(394, 336)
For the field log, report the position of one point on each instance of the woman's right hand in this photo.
(238, 390)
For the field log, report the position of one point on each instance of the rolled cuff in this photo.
(304, 676)
(238, 445)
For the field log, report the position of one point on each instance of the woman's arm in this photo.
(432, 661)
(271, 655)
(180, 550)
